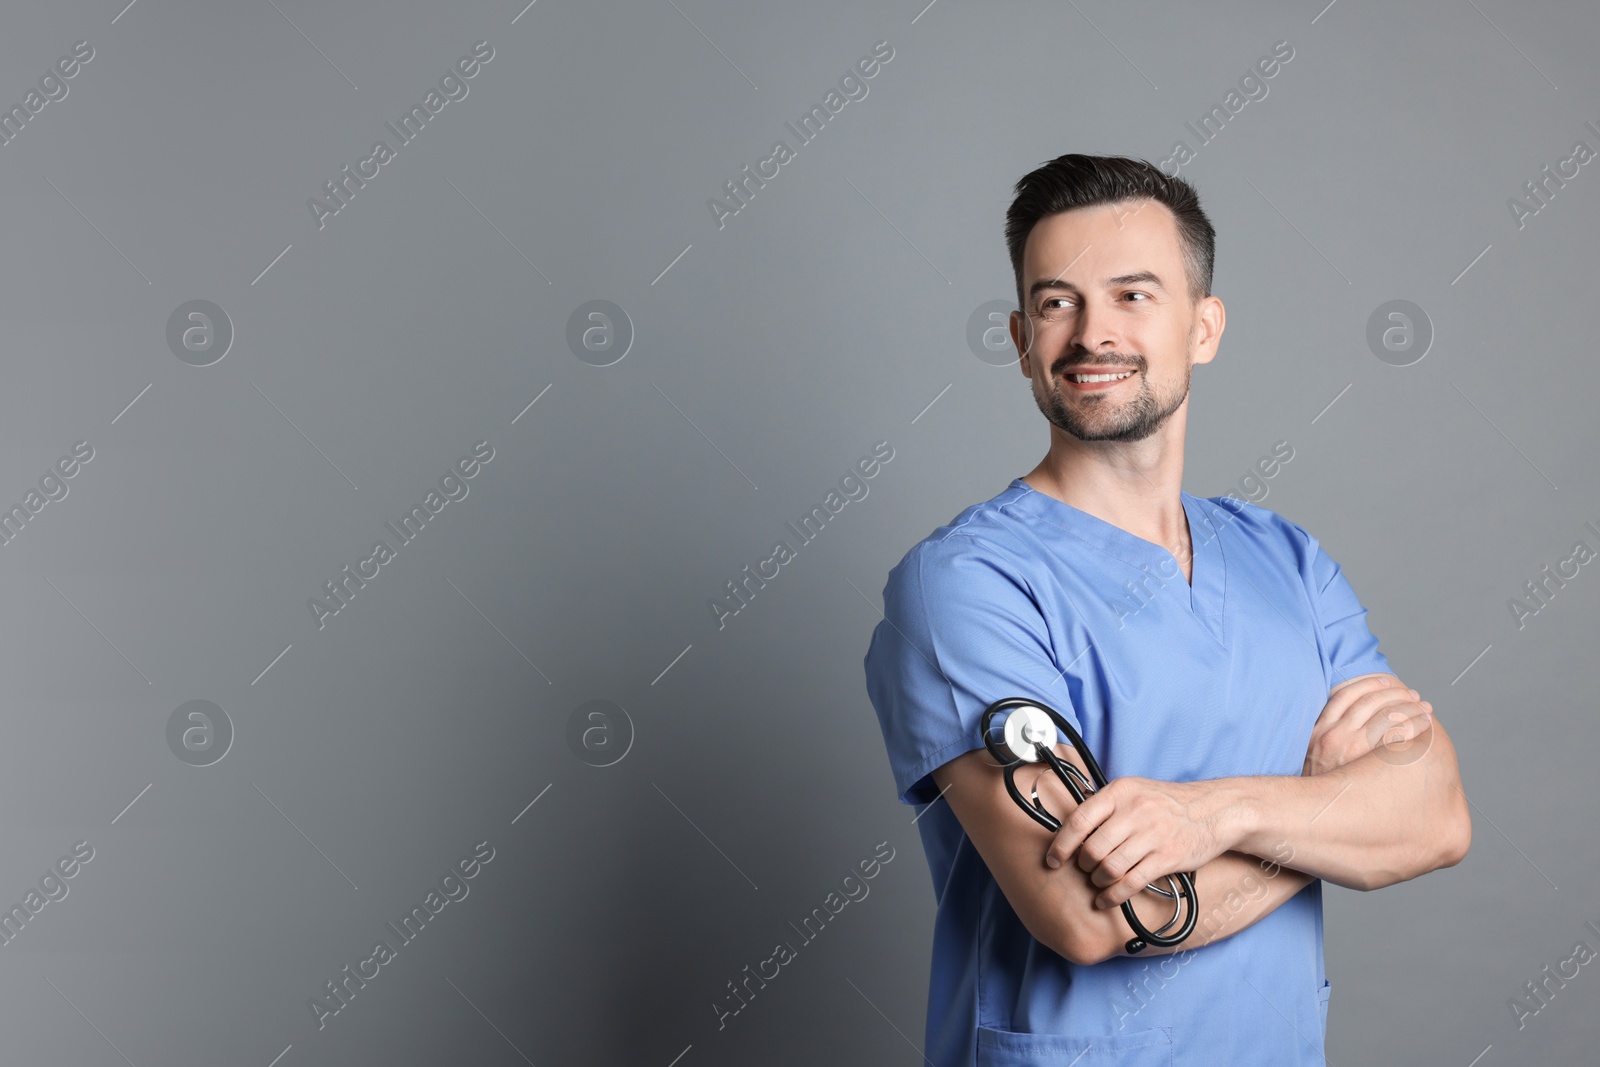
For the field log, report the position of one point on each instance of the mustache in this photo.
(1070, 360)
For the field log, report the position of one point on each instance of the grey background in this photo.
(429, 714)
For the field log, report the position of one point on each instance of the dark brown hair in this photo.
(1075, 181)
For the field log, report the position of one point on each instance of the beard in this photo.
(1098, 418)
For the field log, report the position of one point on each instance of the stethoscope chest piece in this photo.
(1026, 728)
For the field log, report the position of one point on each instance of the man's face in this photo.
(1105, 293)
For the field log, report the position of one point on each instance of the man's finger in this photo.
(1379, 703)
(1109, 836)
(1341, 700)
(1122, 859)
(1147, 872)
(1397, 729)
(1076, 827)
(1383, 677)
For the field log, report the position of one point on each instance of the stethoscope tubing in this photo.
(1181, 883)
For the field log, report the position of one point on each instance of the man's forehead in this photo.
(1110, 241)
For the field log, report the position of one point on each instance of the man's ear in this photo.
(1210, 320)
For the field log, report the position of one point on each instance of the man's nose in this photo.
(1096, 328)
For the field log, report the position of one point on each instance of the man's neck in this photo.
(1132, 485)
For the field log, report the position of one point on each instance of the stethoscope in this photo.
(1029, 736)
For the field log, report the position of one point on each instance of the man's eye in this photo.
(1145, 295)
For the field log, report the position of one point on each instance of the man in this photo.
(1215, 659)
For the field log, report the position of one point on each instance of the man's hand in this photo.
(1136, 831)
(1057, 906)
(1360, 716)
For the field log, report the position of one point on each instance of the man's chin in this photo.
(1100, 430)
(1073, 425)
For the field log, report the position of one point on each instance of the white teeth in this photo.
(1099, 377)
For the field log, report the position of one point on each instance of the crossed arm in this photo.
(1378, 801)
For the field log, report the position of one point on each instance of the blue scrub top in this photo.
(1024, 595)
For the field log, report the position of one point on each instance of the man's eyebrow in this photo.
(1141, 277)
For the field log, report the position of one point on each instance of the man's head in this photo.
(1113, 264)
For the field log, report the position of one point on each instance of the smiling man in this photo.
(1251, 728)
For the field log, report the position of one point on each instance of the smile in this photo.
(1086, 379)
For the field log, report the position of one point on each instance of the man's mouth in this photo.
(1096, 379)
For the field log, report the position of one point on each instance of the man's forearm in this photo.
(1235, 891)
(1377, 816)
(1372, 822)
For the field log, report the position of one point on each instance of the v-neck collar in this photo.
(1207, 589)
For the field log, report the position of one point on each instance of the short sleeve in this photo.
(1348, 647)
(961, 630)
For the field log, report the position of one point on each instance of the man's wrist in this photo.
(1237, 817)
